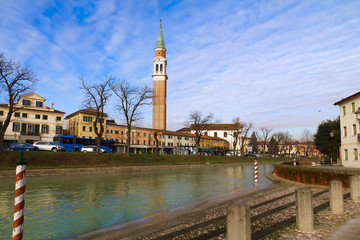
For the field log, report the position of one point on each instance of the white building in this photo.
(32, 121)
(177, 143)
(349, 128)
(224, 131)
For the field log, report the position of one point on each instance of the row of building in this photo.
(33, 121)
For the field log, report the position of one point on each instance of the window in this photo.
(179, 138)
(58, 130)
(343, 110)
(45, 117)
(26, 102)
(58, 118)
(1, 113)
(90, 129)
(144, 134)
(111, 131)
(30, 129)
(24, 115)
(116, 132)
(345, 132)
(87, 119)
(157, 68)
(16, 127)
(346, 157)
(215, 134)
(161, 67)
(107, 131)
(354, 129)
(138, 134)
(84, 129)
(37, 116)
(44, 129)
(225, 134)
(353, 107)
(17, 114)
(39, 104)
(356, 155)
(168, 144)
(122, 141)
(144, 142)
(1, 123)
(122, 132)
(138, 141)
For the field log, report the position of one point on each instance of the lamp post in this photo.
(332, 136)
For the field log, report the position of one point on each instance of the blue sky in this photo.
(279, 64)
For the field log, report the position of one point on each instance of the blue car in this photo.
(23, 146)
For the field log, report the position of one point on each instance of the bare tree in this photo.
(264, 136)
(131, 99)
(200, 124)
(307, 138)
(236, 133)
(245, 132)
(288, 142)
(156, 134)
(96, 97)
(14, 81)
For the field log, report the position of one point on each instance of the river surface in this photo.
(60, 207)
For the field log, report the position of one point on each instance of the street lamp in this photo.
(358, 114)
(331, 135)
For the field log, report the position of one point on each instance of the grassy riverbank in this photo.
(40, 160)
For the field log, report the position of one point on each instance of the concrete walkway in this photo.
(349, 231)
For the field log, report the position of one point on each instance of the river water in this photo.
(60, 207)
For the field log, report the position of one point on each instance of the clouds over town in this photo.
(279, 64)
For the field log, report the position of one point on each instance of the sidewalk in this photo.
(349, 231)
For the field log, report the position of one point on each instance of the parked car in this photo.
(92, 148)
(48, 146)
(23, 146)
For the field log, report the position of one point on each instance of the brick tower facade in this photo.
(159, 84)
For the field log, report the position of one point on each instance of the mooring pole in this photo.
(19, 198)
(255, 172)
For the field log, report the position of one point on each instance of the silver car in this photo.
(48, 146)
(92, 148)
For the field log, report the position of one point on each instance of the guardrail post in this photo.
(304, 210)
(238, 222)
(336, 197)
(19, 205)
(355, 188)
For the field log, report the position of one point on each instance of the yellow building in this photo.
(213, 143)
(81, 123)
(32, 121)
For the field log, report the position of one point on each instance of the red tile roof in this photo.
(347, 98)
(86, 111)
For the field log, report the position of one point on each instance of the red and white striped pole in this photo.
(19, 198)
(256, 172)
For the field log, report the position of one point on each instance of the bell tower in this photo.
(159, 84)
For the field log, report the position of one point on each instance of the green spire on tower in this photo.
(160, 40)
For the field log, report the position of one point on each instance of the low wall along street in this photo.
(315, 175)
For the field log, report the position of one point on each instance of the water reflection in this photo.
(60, 207)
